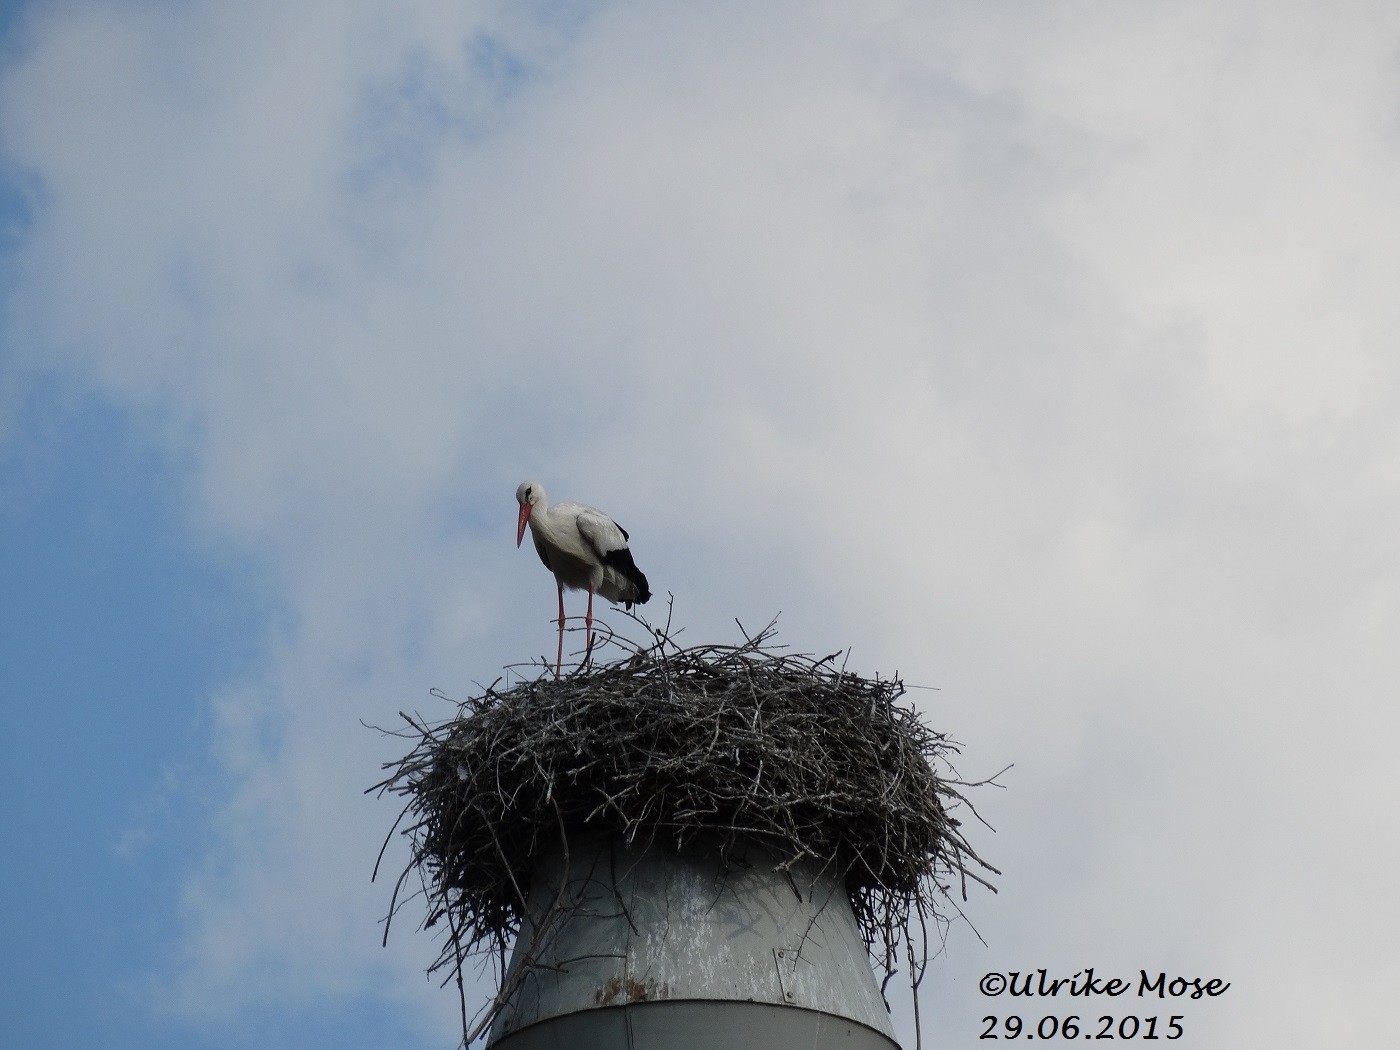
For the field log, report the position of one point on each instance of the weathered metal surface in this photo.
(613, 927)
(696, 1024)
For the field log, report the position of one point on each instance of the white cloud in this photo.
(1040, 355)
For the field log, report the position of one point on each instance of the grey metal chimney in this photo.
(644, 949)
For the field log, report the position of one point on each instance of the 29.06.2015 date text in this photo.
(1107, 1027)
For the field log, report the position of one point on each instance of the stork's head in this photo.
(529, 495)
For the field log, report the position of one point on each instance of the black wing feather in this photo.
(621, 560)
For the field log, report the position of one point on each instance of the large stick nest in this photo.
(711, 746)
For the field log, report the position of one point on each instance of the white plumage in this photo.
(585, 549)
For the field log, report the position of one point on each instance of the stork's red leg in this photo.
(559, 656)
(588, 628)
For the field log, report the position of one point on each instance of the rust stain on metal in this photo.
(630, 990)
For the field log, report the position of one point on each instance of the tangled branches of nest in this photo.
(678, 747)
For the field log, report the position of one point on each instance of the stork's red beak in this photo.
(520, 525)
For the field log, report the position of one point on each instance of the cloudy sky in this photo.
(1045, 353)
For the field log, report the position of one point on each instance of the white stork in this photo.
(585, 549)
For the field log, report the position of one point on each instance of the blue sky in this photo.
(1042, 353)
(113, 620)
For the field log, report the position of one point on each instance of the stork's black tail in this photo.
(621, 560)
